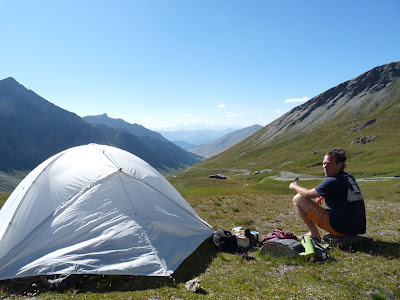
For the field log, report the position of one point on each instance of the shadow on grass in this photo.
(191, 267)
(377, 248)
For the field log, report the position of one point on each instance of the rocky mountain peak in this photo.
(363, 93)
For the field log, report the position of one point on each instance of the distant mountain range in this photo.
(32, 129)
(151, 138)
(192, 138)
(228, 140)
(361, 115)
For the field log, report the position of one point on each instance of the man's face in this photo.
(331, 168)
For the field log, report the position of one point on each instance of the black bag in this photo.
(251, 237)
(321, 252)
(225, 241)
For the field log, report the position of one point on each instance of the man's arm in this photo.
(306, 193)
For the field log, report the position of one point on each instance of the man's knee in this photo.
(297, 199)
(302, 203)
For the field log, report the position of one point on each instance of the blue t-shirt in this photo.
(345, 203)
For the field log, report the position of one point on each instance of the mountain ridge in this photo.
(32, 129)
(154, 142)
(134, 129)
(26, 139)
(297, 140)
(334, 98)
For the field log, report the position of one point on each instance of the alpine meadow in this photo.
(361, 115)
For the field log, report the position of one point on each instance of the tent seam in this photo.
(162, 264)
(166, 197)
(149, 186)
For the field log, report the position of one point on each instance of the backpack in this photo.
(225, 241)
(312, 246)
(321, 252)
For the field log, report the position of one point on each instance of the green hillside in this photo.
(369, 135)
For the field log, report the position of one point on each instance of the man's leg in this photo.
(303, 206)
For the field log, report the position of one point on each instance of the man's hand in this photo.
(293, 185)
(306, 193)
(320, 200)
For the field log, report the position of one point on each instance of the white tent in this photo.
(96, 209)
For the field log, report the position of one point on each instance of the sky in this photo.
(171, 65)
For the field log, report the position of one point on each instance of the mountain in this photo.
(361, 115)
(32, 129)
(183, 144)
(134, 129)
(195, 137)
(165, 155)
(219, 145)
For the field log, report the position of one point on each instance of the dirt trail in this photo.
(284, 175)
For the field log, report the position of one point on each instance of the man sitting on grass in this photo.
(345, 212)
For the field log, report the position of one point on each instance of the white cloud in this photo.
(292, 100)
(189, 115)
(221, 105)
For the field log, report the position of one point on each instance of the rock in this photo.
(282, 247)
(361, 126)
(193, 285)
(347, 241)
(364, 140)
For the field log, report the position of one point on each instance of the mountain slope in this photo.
(134, 129)
(219, 145)
(361, 115)
(349, 99)
(165, 155)
(32, 129)
(183, 144)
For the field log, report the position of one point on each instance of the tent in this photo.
(96, 209)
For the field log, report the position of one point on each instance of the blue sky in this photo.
(164, 63)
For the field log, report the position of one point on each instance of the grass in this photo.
(369, 272)
(3, 198)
